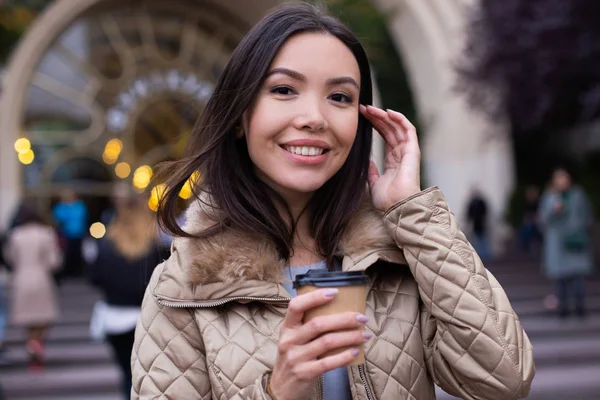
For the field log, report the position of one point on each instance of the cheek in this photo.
(346, 132)
(262, 123)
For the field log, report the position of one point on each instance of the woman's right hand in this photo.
(300, 345)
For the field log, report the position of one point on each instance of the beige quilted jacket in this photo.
(211, 315)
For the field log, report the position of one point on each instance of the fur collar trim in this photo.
(232, 256)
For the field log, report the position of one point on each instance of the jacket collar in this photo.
(233, 264)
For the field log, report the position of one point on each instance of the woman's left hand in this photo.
(402, 176)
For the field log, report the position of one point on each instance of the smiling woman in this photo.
(283, 147)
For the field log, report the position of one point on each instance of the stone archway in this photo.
(83, 62)
(459, 147)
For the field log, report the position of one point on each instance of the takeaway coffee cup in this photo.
(352, 296)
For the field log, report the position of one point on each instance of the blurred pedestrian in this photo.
(477, 214)
(32, 249)
(123, 264)
(121, 193)
(567, 219)
(71, 216)
(529, 231)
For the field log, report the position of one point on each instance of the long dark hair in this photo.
(222, 158)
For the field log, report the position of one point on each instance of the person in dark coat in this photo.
(121, 268)
(567, 218)
(477, 214)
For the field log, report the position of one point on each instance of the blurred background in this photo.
(95, 93)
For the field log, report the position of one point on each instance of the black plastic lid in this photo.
(321, 278)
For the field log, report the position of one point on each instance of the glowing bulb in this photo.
(109, 159)
(97, 230)
(26, 157)
(122, 170)
(142, 177)
(22, 145)
(195, 178)
(113, 146)
(156, 194)
(186, 190)
(112, 150)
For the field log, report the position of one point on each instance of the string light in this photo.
(142, 177)
(122, 170)
(97, 230)
(22, 145)
(26, 157)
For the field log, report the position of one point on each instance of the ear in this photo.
(239, 131)
(242, 128)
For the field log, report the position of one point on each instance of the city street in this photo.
(567, 352)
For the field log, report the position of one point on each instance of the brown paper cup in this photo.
(351, 298)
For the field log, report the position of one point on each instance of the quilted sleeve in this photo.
(167, 359)
(474, 344)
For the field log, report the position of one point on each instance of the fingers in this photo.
(392, 125)
(407, 126)
(381, 122)
(319, 367)
(304, 302)
(320, 325)
(328, 342)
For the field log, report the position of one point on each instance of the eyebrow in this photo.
(299, 77)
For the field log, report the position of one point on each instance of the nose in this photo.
(310, 117)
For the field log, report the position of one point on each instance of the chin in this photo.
(302, 185)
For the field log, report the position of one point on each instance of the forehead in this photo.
(317, 54)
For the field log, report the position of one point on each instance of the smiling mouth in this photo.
(305, 150)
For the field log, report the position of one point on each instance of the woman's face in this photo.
(303, 122)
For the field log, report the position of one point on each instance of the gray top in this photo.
(336, 384)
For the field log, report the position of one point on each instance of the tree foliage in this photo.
(15, 17)
(537, 61)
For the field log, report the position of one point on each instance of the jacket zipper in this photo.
(363, 378)
(220, 303)
(322, 387)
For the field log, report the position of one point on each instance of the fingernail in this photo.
(367, 335)
(330, 293)
(355, 352)
(363, 319)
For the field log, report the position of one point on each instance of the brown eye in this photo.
(282, 90)
(341, 98)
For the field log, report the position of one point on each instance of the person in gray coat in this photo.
(566, 216)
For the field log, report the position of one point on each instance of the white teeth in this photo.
(304, 150)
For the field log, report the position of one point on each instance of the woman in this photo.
(122, 268)
(33, 251)
(566, 217)
(283, 148)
